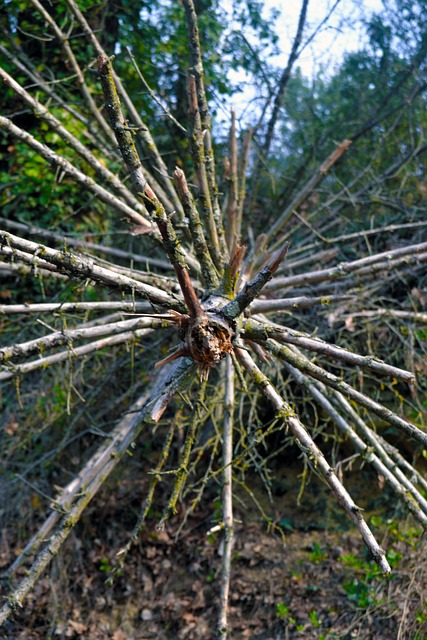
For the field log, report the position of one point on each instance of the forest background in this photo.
(208, 497)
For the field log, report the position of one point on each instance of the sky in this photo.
(342, 32)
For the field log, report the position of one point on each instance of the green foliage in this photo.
(44, 198)
(361, 592)
(313, 615)
(318, 554)
(282, 610)
(363, 583)
(157, 35)
(105, 565)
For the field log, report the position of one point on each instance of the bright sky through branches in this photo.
(333, 28)
(343, 31)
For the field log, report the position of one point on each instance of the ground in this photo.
(311, 580)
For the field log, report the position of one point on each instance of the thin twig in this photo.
(66, 496)
(242, 169)
(72, 61)
(64, 239)
(68, 336)
(190, 438)
(299, 198)
(414, 316)
(143, 189)
(26, 66)
(151, 92)
(197, 69)
(232, 230)
(299, 302)
(166, 449)
(143, 133)
(72, 307)
(197, 230)
(388, 454)
(40, 111)
(197, 149)
(284, 80)
(14, 370)
(371, 265)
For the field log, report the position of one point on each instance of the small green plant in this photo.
(297, 575)
(283, 612)
(421, 616)
(318, 554)
(361, 593)
(393, 558)
(353, 561)
(210, 577)
(314, 619)
(105, 565)
(360, 588)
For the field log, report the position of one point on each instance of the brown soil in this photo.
(312, 581)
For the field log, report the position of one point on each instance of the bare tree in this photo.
(223, 302)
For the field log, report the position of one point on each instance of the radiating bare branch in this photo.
(227, 500)
(201, 248)
(12, 370)
(142, 131)
(372, 452)
(141, 224)
(99, 470)
(48, 234)
(252, 289)
(304, 365)
(197, 68)
(232, 229)
(259, 330)
(315, 456)
(78, 266)
(369, 266)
